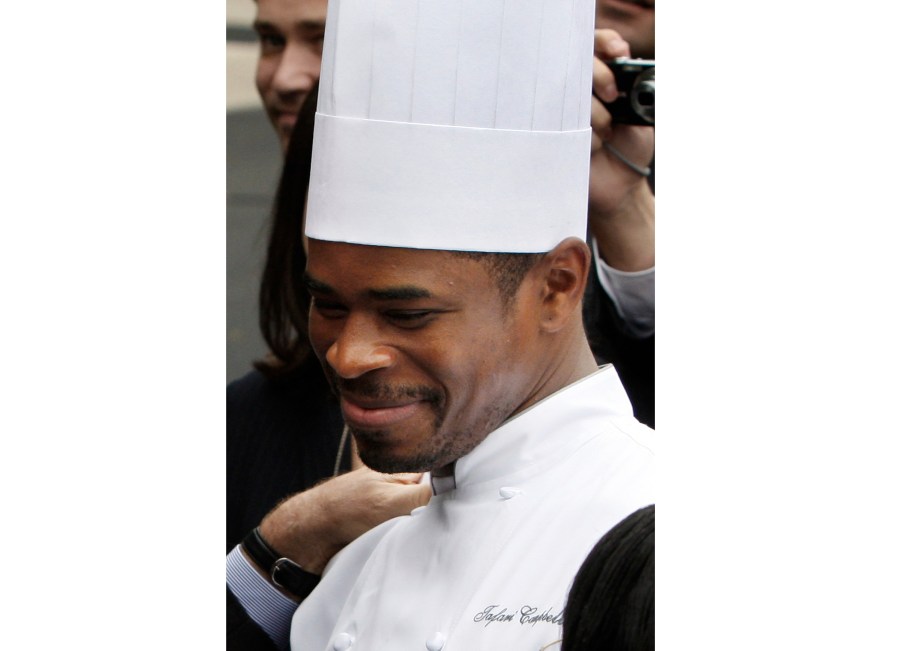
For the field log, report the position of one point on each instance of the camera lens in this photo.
(643, 96)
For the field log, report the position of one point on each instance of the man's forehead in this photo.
(326, 254)
(297, 12)
(382, 266)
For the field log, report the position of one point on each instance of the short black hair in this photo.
(507, 269)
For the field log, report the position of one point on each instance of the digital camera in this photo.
(636, 81)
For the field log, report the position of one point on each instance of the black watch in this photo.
(283, 572)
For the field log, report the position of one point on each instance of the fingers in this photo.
(413, 494)
(609, 45)
(419, 495)
(604, 83)
(596, 143)
(601, 122)
(404, 477)
(395, 499)
(605, 89)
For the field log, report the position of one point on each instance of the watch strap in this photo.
(282, 571)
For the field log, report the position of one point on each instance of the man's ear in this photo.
(564, 274)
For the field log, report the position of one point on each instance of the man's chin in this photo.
(378, 455)
(390, 464)
(436, 452)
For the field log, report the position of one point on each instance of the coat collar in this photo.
(537, 437)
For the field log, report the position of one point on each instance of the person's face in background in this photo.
(634, 20)
(290, 36)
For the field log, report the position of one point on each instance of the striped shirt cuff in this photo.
(270, 609)
(633, 294)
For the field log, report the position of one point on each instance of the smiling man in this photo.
(447, 264)
(444, 299)
(475, 368)
(426, 349)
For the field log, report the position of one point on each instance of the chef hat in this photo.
(453, 124)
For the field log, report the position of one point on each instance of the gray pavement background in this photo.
(253, 162)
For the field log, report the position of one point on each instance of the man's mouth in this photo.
(368, 404)
(378, 414)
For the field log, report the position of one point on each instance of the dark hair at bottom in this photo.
(611, 603)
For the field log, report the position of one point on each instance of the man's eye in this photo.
(328, 310)
(319, 41)
(317, 37)
(410, 318)
(271, 42)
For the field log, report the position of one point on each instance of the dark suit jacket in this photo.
(282, 437)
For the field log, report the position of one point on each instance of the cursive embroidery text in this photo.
(526, 615)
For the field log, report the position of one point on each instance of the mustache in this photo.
(368, 388)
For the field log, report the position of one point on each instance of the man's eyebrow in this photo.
(402, 293)
(399, 293)
(311, 25)
(314, 285)
(305, 25)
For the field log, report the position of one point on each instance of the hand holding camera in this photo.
(620, 200)
(623, 115)
(636, 84)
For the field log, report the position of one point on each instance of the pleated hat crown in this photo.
(453, 124)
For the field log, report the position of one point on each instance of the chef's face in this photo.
(425, 355)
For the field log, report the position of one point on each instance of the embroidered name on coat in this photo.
(525, 616)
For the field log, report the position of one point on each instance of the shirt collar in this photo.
(535, 437)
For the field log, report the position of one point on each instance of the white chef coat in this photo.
(488, 564)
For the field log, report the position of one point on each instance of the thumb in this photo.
(404, 477)
(416, 495)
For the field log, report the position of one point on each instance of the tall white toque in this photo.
(453, 124)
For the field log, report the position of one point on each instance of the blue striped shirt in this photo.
(265, 605)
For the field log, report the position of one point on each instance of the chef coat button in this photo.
(508, 492)
(435, 642)
(417, 510)
(342, 642)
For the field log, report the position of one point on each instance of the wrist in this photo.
(626, 233)
(288, 576)
(301, 530)
(630, 201)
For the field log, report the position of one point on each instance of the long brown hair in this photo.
(283, 302)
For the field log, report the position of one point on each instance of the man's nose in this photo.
(298, 69)
(358, 351)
